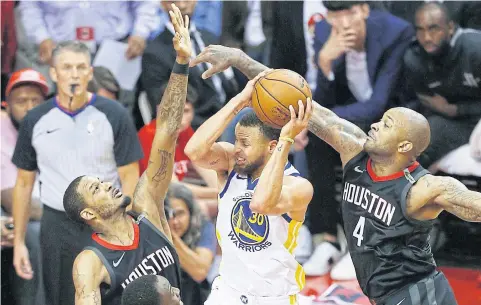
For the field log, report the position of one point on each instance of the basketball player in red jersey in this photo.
(389, 201)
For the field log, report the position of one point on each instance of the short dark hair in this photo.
(340, 5)
(142, 291)
(436, 4)
(104, 78)
(70, 45)
(73, 201)
(251, 120)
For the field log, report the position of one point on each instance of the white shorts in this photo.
(222, 294)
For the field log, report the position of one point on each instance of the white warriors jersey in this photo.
(257, 250)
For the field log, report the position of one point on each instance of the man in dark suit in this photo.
(359, 54)
(236, 15)
(159, 57)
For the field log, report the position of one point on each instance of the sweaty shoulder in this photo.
(88, 259)
(419, 201)
(88, 267)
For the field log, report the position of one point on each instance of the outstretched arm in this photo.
(346, 138)
(454, 197)
(153, 185)
(221, 58)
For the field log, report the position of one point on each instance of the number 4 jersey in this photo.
(388, 248)
(257, 250)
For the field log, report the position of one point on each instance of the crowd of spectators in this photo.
(360, 58)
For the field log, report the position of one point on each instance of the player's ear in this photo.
(405, 146)
(272, 146)
(87, 214)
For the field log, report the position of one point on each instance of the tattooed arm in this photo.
(346, 138)
(88, 273)
(222, 58)
(454, 197)
(433, 194)
(153, 185)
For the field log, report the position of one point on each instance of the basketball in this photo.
(274, 92)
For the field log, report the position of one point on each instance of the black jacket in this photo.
(456, 75)
(157, 63)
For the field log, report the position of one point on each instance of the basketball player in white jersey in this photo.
(262, 204)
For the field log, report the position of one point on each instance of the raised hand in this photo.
(298, 122)
(181, 40)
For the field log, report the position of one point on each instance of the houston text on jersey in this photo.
(375, 205)
(151, 264)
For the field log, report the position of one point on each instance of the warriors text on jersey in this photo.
(389, 249)
(257, 250)
(150, 253)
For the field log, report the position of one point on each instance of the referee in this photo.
(72, 134)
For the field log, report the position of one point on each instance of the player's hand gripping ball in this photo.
(274, 92)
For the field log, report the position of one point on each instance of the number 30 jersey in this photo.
(388, 248)
(257, 250)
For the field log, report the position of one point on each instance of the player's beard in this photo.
(113, 208)
(249, 168)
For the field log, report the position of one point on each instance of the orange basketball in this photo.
(273, 94)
